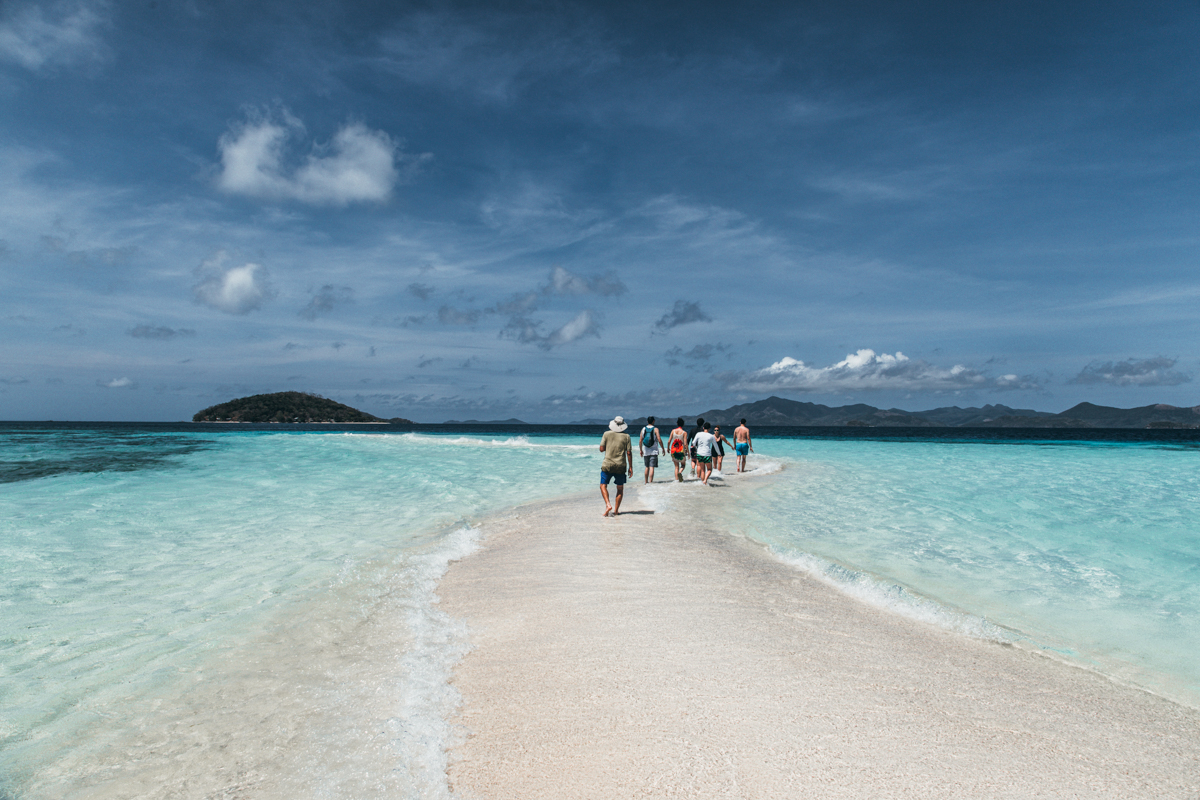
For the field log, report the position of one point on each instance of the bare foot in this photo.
(607, 509)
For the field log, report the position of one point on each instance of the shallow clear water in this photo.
(1087, 550)
(133, 564)
(257, 609)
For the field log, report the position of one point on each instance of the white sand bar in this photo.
(652, 656)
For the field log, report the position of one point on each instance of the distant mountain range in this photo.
(778, 411)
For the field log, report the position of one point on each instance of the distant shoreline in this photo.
(243, 422)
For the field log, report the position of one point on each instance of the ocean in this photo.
(191, 610)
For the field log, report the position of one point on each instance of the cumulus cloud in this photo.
(1132, 372)
(117, 383)
(867, 370)
(234, 290)
(162, 334)
(420, 290)
(326, 299)
(358, 165)
(39, 35)
(682, 314)
(527, 331)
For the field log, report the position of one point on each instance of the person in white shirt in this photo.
(704, 448)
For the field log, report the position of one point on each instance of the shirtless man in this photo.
(617, 451)
(742, 445)
(649, 451)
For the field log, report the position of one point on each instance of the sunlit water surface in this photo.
(170, 598)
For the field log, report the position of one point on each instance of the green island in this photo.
(291, 407)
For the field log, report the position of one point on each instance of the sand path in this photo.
(650, 656)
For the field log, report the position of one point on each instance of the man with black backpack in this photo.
(650, 445)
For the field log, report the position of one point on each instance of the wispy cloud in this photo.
(420, 290)
(358, 165)
(448, 315)
(41, 35)
(326, 299)
(491, 57)
(563, 283)
(683, 313)
(1132, 372)
(117, 383)
(13, 381)
(234, 290)
(867, 370)
(159, 333)
(701, 352)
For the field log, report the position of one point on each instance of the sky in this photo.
(558, 211)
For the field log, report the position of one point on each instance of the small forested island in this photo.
(288, 407)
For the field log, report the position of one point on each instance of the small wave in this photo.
(472, 441)
(421, 729)
(893, 598)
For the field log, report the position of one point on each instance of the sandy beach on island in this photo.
(655, 655)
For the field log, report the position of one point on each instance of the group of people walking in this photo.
(704, 447)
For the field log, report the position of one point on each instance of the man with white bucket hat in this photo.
(618, 463)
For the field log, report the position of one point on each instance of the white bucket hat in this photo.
(618, 424)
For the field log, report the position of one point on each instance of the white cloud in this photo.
(527, 331)
(358, 165)
(41, 35)
(236, 290)
(117, 383)
(1132, 372)
(868, 371)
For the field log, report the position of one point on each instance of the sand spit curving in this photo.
(654, 655)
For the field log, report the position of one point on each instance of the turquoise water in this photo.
(137, 565)
(177, 602)
(1090, 551)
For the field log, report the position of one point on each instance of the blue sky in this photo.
(567, 210)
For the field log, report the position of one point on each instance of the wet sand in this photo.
(653, 655)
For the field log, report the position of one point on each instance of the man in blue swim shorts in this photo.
(618, 462)
(742, 445)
